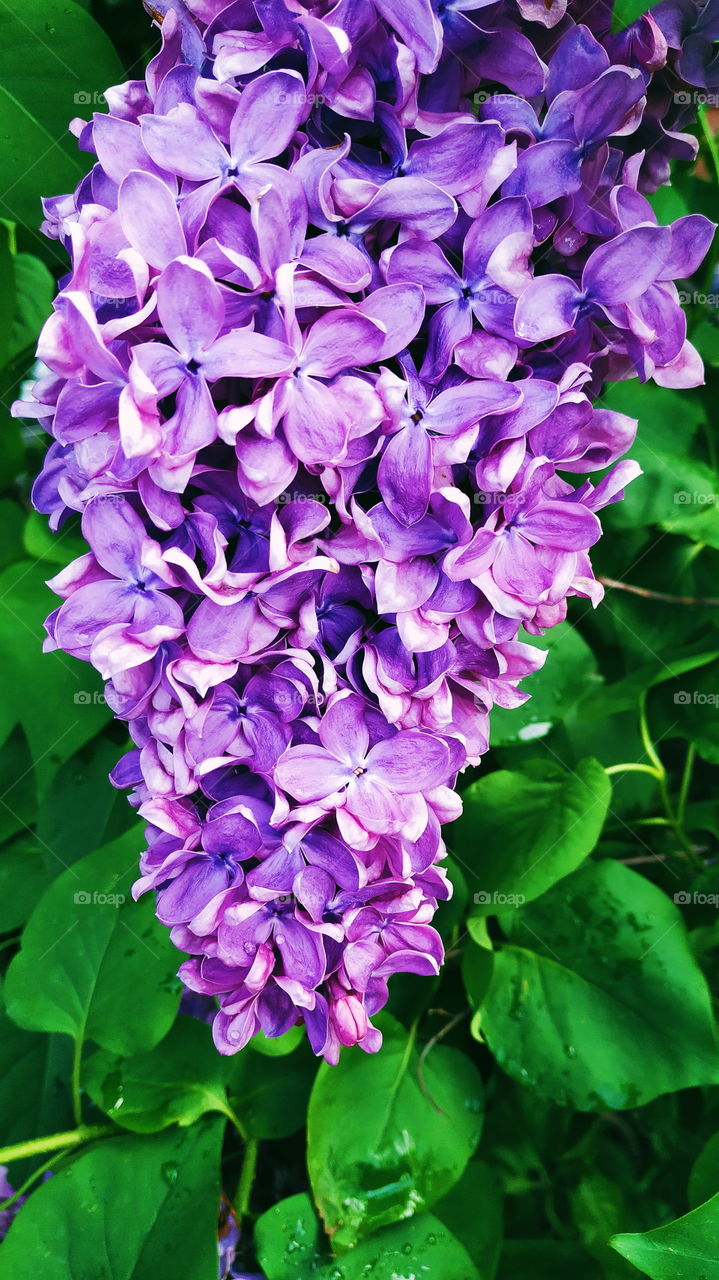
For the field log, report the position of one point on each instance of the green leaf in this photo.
(53, 697)
(599, 1209)
(687, 1249)
(80, 803)
(668, 204)
(556, 820)
(24, 876)
(477, 964)
(42, 544)
(380, 1145)
(280, 1045)
(627, 11)
(91, 968)
(289, 1246)
(12, 455)
(130, 1208)
(18, 801)
(706, 340)
(567, 676)
(547, 1260)
(451, 912)
(668, 422)
(473, 1213)
(34, 1092)
(288, 1240)
(55, 61)
(184, 1076)
(696, 513)
(624, 694)
(7, 294)
(34, 292)
(598, 1002)
(423, 1247)
(704, 1177)
(11, 525)
(270, 1095)
(175, 1083)
(690, 710)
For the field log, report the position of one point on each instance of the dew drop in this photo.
(170, 1171)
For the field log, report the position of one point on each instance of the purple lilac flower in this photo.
(6, 1191)
(228, 1239)
(345, 287)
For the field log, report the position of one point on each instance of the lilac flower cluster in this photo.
(347, 281)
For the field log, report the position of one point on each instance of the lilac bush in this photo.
(324, 385)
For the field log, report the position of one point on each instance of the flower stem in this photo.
(646, 736)
(644, 593)
(686, 782)
(247, 1178)
(674, 818)
(75, 1083)
(677, 827)
(633, 768)
(34, 1177)
(234, 1119)
(55, 1142)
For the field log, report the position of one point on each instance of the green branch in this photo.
(55, 1142)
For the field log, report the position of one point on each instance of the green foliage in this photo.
(687, 1249)
(55, 61)
(627, 11)
(270, 1094)
(290, 1247)
(704, 1177)
(178, 1081)
(33, 1098)
(118, 1210)
(556, 820)
(597, 1001)
(31, 685)
(94, 964)
(568, 676)
(386, 1139)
